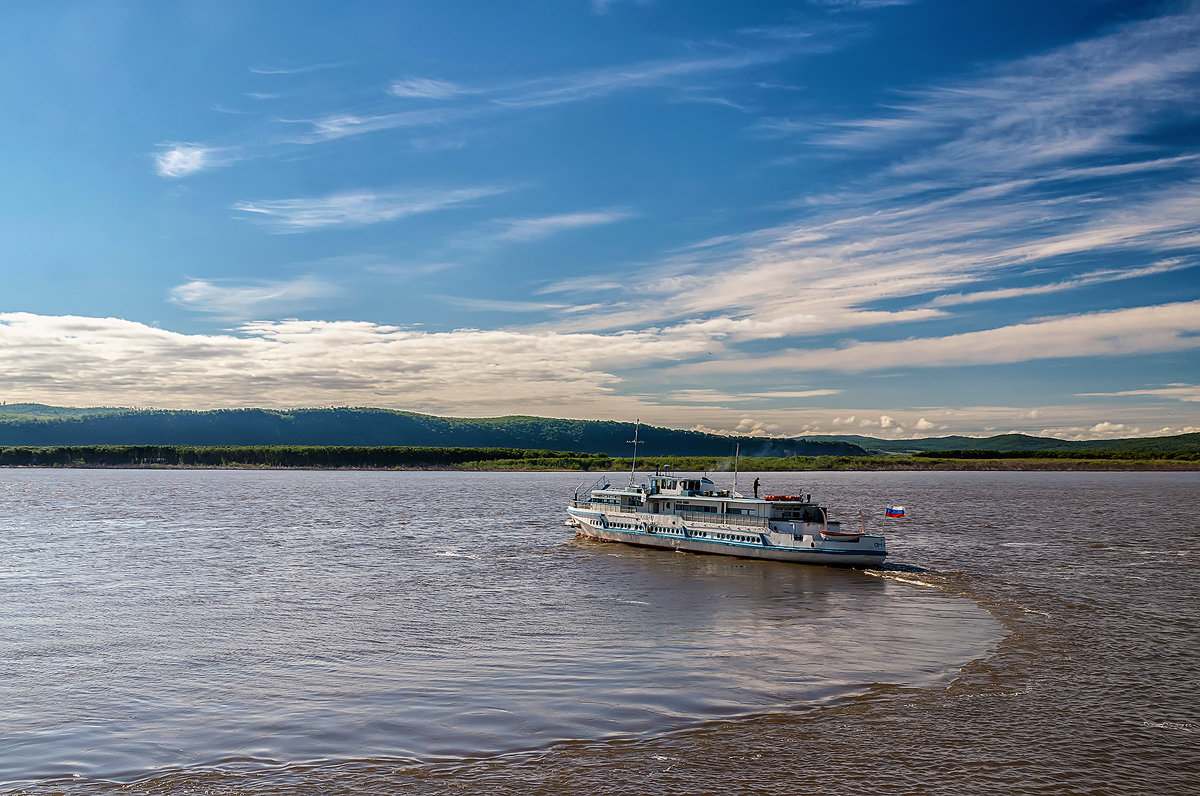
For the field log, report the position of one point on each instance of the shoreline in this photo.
(903, 465)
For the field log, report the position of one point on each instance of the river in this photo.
(170, 631)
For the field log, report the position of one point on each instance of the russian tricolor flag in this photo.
(894, 511)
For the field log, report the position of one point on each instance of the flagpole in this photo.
(634, 442)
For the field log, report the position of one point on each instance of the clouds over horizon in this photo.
(83, 361)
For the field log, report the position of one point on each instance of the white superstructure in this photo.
(690, 513)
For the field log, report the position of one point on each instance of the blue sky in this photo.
(876, 216)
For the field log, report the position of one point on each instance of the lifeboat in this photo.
(846, 536)
(796, 498)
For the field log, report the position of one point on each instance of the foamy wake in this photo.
(1182, 726)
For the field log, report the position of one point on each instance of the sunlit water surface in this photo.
(236, 631)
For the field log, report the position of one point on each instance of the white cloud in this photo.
(248, 300)
(344, 125)
(1180, 392)
(1105, 428)
(923, 425)
(1083, 280)
(847, 5)
(180, 160)
(83, 361)
(793, 394)
(467, 103)
(531, 229)
(425, 88)
(299, 69)
(603, 82)
(1003, 197)
(718, 398)
(1165, 327)
(500, 305)
(358, 208)
(1083, 99)
(107, 361)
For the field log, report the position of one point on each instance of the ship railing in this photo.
(588, 504)
(613, 507)
(743, 520)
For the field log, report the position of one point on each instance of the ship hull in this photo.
(865, 553)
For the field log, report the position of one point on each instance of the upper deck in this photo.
(669, 494)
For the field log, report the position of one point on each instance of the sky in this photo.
(894, 218)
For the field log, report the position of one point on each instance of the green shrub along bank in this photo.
(1187, 456)
(439, 458)
(323, 456)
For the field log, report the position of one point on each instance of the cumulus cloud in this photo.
(749, 427)
(79, 360)
(83, 361)
(923, 425)
(1105, 428)
(181, 160)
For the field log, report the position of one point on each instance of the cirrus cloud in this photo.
(242, 301)
(358, 208)
(1164, 327)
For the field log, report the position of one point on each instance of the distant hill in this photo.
(35, 424)
(1181, 443)
(41, 410)
(38, 424)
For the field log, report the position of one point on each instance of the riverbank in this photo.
(521, 460)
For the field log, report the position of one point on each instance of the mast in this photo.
(737, 452)
(634, 442)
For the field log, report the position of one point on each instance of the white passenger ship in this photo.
(688, 513)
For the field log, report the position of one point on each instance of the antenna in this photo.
(634, 442)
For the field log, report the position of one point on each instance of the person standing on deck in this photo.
(756, 487)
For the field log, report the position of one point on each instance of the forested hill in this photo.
(34, 424)
(1180, 443)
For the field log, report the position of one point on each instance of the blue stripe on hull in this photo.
(671, 541)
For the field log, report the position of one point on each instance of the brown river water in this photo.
(226, 632)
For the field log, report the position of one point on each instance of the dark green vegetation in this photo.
(327, 456)
(1118, 453)
(376, 438)
(33, 424)
(431, 458)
